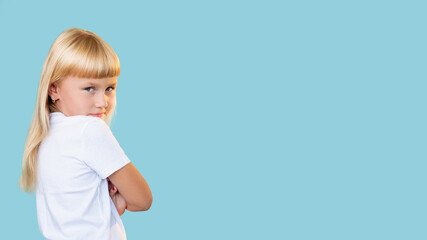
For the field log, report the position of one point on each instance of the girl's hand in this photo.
(118, 200)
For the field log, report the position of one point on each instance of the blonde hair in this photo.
(75, 52)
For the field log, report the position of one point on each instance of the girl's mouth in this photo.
(97, 115)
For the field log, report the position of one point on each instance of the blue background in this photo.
(249, 119)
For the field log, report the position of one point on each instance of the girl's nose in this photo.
(102, 101)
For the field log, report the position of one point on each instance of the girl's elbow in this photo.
(147, 203)
(142, 205)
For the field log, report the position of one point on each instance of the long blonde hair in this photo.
(75, 52)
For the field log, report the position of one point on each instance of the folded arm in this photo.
(130, 184)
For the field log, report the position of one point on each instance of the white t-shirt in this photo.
(74, 160)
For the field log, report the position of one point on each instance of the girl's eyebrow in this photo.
(97, 83)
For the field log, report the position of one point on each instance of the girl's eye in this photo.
(89, 89)
(109, 89)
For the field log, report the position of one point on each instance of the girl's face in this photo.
(84, 96)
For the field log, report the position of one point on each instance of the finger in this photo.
(113, 191)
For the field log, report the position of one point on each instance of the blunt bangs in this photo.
(88, 57)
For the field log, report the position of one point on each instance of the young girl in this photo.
(82, 177)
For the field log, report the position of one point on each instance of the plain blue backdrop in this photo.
(249, 119)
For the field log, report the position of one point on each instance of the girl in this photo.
(82, 177)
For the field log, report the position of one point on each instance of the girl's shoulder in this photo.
(58, 117)
(77, 124)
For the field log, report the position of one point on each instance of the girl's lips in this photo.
(97, 115)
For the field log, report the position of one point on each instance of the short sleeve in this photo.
(100, 149)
